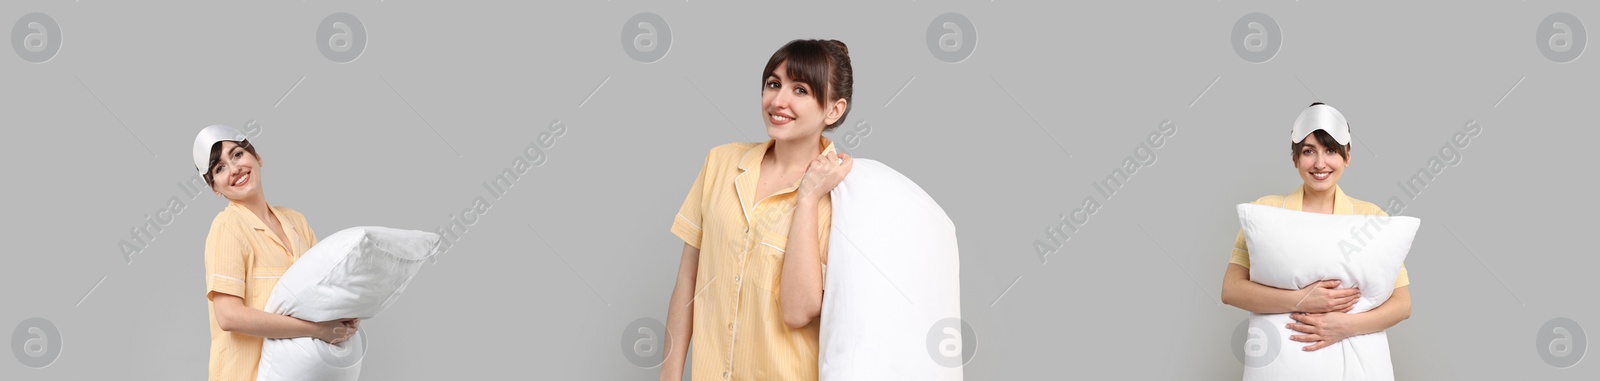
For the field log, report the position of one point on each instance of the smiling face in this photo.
(235, 171)
(790, 108)
(1321, 161)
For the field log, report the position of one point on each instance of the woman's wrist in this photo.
(806, 200)
(1296, 297)
(307, 328)
(1365, 323)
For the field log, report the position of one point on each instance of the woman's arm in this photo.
(680, 315)
(800, 288)
(1387, 315)
(1239, 291)
(234, 316)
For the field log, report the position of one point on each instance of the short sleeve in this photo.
(227, 260)
(1241, 251)
(688, 221)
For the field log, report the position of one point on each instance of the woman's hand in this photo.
(1324, 297)
(337, 331)
(1321, 329)
(1324, 329)
(824, 173)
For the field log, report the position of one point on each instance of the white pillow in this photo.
(893, 272)
(355, 273)
(1291, 249)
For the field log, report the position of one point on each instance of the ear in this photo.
(836, 110)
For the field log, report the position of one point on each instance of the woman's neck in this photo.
(1315, 200)
(791, 154)
(257, 206)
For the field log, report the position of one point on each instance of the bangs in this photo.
(807, 63)
(1326, 140)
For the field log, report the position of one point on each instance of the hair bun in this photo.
(840, 45)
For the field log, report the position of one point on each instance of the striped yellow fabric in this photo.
(738, 326)
(244, 258)
(1342, 204)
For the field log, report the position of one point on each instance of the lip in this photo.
(242, 180)
(773, 117)
(1324, 176)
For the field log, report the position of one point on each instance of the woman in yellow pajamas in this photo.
(1321, 147)
(250, 245)
(755, 230)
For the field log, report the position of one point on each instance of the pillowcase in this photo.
(1291, 249)
(354, 273)
(893, 274)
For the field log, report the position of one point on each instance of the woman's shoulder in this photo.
(730, 152)
(1363, 207)
(224, 218)
(734, 148)
(1270, 200)
(228, 220)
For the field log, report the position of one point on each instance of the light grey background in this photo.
(446, 94)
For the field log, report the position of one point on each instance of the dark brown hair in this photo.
(820, 63)
(1326, 140)
(216, 157)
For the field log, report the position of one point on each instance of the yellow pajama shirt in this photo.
(738, 325)
(244, 258)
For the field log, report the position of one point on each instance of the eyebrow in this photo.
(220, 159)
(780, 78)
